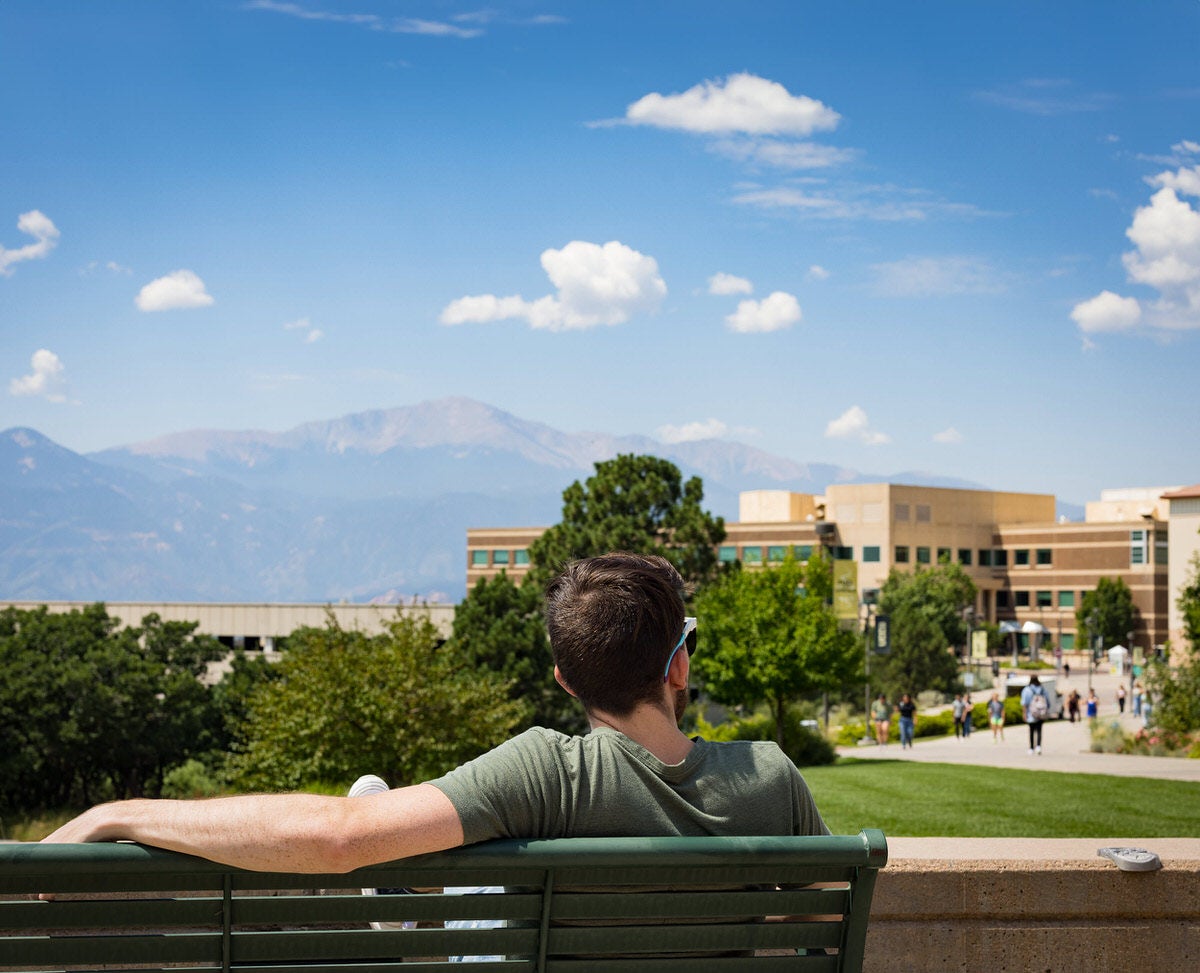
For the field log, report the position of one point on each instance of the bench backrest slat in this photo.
(650, 905)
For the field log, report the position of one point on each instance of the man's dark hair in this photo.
(613, 621)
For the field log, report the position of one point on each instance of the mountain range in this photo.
(370, 506)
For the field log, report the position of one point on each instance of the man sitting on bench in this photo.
(622, 645)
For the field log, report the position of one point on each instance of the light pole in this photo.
(1092, 621)
(866, 608)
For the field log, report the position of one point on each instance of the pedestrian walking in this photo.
(1036, 707)
(958, 709)
(1137, 698)
(881, 716)
(1092, 705)
(1073, 705)
(908, 717)
(995, 710)
(967, 715)
(1120, 699)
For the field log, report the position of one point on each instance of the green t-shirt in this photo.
(544, 784)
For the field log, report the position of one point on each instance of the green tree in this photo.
(1107, 611)
(1175, 683)
(346, 703)
(499, 626)
(762, 640)
(1188, 603)
(633, 503)
(926, 611)
(89, 710)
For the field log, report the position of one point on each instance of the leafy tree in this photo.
(347, 703)
(499, 626)
(1189, 606)
(1110, 604)
(926, 610)
(633, 503)
(90, 710)
(1175, 684)
(762, 641)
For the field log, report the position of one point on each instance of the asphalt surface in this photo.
(1066, 746)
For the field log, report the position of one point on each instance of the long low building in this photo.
(257, 626)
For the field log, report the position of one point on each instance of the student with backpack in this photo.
(1036, 705)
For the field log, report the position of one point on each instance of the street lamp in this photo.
(1092, 623)
(866, 607)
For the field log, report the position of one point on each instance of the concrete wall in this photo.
(1001, 905)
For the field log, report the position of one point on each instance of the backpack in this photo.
(1039, 705)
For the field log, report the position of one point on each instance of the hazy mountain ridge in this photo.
(350, 508)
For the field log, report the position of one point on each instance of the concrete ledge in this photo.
(1001, 905)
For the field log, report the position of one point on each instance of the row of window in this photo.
(500, 558)
(777, 553)
(988, 557)
(1035, 599)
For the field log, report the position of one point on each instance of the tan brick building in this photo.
(1028, 566)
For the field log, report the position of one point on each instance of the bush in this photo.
(805, 746)
(1107, 737)
(190, 779)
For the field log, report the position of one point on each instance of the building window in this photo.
(499, 557)
(964, 556)
(1045, 599)
(776, 553)
(727, 553)
(1066, 599)
(901, 555)
(1021, 599)
(802, 551)
(1067, 642)
(752, 555)
(924, 513)
(1160, 550)
(922, 555)
(843, 553)
(902, 512)
(943, 555)
(1044, 557)
(1021, 557)
(985, 557)
(1000, 559)
(1137, 547)
(870, 554)
(1002, 598)
(521, 557)
(479, 559)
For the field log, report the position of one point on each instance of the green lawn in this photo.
(929, 799)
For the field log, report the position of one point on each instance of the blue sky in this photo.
(947, 236)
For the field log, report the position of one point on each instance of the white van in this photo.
(1015, 683)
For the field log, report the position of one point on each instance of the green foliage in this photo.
(90, 710)
(804, 746)
(191, 779)
(761, 642)
(500, 627)
(1107, 611)
(1175, 690)
(638, 504)
(1109, 737)
(926, 609)
(346, 703)
(1189, 606)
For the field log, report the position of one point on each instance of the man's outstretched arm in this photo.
(282, 832)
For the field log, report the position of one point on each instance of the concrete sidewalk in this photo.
(1065, 745)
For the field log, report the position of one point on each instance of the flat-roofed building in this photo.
(1184, 549)
(1027, 565)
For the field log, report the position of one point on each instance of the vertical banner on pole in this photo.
(845, 590)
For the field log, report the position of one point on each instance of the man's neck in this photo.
(651, 727)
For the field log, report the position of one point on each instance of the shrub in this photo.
(189, 780)
(806, 747)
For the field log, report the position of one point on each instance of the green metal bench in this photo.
(577, 905)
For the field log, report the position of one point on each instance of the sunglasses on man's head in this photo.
(688, 638)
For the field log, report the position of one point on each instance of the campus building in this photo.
(1030, 568)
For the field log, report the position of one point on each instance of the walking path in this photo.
(1066, 746)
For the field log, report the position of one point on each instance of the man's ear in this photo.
(558, 678)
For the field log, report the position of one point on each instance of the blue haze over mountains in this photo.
(371, 506)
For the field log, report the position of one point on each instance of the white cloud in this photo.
(693, 431)
(723, 284)
(741, 103)
(596, 285)
(1106, 312)
(311, 334)
(38, 225)
(848, 201)
(1047, 97)
(936, 276)
(1186, 147)
(854, 424)
(776, 312)
(784, 155)
(388, 25)
(180, 289)
(817, 272)
(45, 378)
(949, 436)
(1166, 257)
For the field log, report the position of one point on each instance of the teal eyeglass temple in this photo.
(689, 626)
